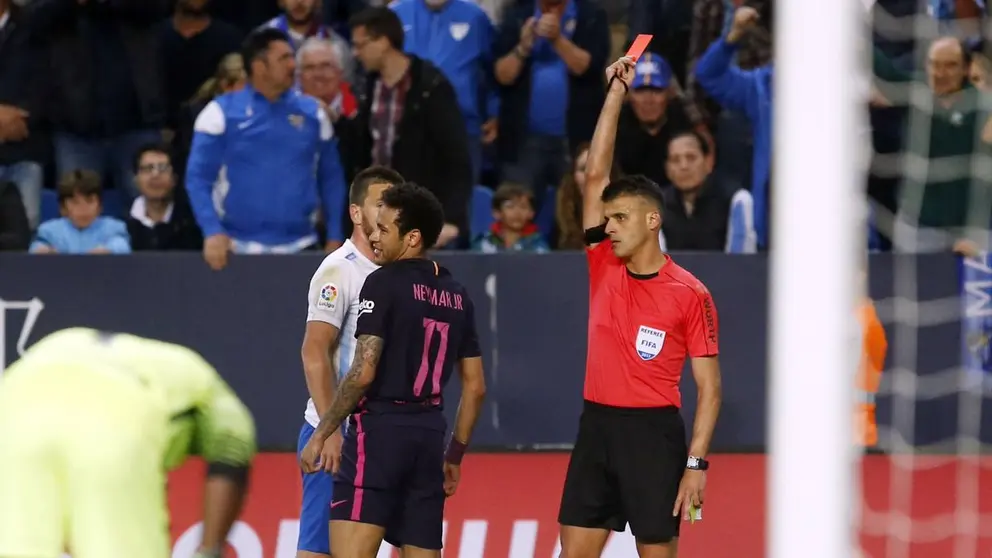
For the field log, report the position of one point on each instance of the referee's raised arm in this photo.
(600, 162)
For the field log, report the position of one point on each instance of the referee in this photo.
(631, 463)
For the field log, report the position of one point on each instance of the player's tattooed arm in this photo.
(368, 350)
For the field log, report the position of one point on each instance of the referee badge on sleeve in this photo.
(649, 342)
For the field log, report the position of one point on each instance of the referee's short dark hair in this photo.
(636, 185)
(257, 44)
(373, 175)
(380, 22)
(417, 209)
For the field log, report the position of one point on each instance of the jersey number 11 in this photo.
(430, 327)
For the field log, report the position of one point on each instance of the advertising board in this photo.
(531, 314)
(507, 507)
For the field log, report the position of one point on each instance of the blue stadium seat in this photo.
(113, 204)
(482, 210)
(49, 205)
(545, 218)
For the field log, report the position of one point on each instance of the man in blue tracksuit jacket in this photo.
(457, 37)
(261, 159)
(749, 92)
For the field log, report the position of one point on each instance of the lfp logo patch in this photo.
(328, 296)
(649, 342)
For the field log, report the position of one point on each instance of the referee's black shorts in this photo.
(626, 468)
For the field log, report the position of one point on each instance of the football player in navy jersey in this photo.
(415, 322)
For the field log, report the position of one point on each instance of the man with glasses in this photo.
(320, 74)
(158, 220)
(320, 68)
(409, 119)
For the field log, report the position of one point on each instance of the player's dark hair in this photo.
(380, 22)
(636, 185)
(373, 175)
(153, 147)
(257, 44)
(704, 146)
(508, 191)
(417, 209)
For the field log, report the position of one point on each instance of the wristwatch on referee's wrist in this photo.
(697, 464)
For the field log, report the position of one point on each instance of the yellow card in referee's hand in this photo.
(695, 514)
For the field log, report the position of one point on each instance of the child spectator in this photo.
(81, 229)
(514, 229)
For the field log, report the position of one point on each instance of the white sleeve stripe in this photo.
(211, 120)
(326, 127)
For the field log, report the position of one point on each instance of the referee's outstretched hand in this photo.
(690, 493)
(620, 74)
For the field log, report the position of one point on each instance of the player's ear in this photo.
(654, 219)
(413, 238)
(356, 214)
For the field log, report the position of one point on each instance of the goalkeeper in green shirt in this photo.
(90, 423)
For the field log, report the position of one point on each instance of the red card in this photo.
(640, 44)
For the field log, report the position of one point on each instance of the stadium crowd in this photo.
(236, 126)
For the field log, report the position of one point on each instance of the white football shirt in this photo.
(333, 299)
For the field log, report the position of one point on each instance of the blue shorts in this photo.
(315, 510)
(392, 476)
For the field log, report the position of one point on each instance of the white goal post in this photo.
(817, 249)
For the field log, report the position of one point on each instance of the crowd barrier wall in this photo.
(248, 320)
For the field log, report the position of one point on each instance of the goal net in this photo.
(931, 494)
(926, 489)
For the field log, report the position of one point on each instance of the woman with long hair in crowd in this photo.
(568, 207)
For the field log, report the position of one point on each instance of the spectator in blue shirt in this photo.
(457, 37)
(279, 158)
(81, 229)
(550, 59)
(749, 92)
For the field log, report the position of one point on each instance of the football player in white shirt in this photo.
(329, 342)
